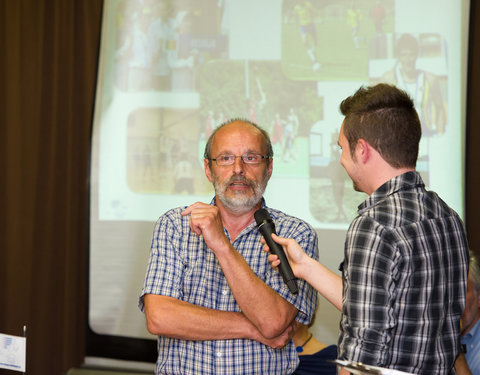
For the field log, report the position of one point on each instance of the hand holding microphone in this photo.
(266, 227)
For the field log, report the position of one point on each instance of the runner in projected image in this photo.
(305, 14)
(354, 17)
(325, 40)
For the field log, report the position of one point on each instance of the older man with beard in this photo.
(209, 294)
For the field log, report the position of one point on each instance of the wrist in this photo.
(305, 268)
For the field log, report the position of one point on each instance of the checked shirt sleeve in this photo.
(164, 272)
(367, 293)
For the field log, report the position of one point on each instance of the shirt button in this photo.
(219, 354)
(225, 292)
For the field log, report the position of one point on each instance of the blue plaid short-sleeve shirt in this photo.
(182, 267)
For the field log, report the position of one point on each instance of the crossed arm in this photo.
(171, 317)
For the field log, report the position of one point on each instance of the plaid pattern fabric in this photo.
(181, 266)
(404, 277)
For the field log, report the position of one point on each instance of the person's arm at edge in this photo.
(461, 365)
(326, 282)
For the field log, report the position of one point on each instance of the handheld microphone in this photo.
(266, 227)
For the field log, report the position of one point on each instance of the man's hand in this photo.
(295, 254)
(326, 282)
(205, 220)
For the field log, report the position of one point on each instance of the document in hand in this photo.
(361, 369)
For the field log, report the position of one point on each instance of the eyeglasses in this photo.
(246, 158)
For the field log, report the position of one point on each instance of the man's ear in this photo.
(270, 167)
(362, 150)
(208, 171)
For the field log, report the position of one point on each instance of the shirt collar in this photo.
(473, 331)
(406, 181)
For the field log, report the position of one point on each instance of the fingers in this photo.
(195, 206)
(281, 240)
(201, 215)
(272, 258)
(206, 221)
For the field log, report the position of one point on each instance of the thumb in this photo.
(280, 240)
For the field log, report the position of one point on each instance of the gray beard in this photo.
(240, 204)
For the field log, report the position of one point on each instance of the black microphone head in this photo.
(262, 216)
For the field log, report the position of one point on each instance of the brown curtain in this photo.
(472, 156)
(49, 52)
(48, 62)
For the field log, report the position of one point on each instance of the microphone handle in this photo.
(284, 267)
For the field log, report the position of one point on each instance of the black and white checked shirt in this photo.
(404, 280)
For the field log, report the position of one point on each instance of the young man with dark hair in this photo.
(404, 273)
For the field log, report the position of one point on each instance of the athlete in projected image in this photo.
(134, 52)
(207, 275)
(421, 85)
(290, 132)
(353, 20)
(158, 35)
(305, 15)
(378, 14)
(277, 131)
(425, 90)
(257, 99)
(404, 272)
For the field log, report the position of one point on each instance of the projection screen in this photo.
(171, 71)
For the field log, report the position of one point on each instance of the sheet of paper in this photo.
(13, 352)
(361, 369)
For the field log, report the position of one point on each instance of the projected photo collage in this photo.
(181, 68)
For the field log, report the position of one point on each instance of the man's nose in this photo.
(238, 165)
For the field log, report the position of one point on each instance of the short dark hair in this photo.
(407, 42)
(385, 117)
(268, 143)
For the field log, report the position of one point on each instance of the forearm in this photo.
(461, 365)
(326, 282)
(167, 316)
(305, 267)
(265, 308)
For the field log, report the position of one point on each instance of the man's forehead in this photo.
(236, 132)
(238, 126)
